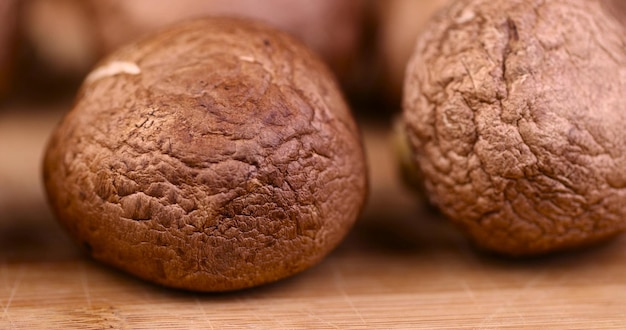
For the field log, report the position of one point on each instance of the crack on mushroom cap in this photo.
(207, 171)
(516, 119)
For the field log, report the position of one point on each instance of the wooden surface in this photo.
(401, 267)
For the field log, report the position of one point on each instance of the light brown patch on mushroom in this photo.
(112, 69)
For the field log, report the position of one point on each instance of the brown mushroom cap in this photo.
(515, 112)
(216, 155)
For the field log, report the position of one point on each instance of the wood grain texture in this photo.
(401, 267)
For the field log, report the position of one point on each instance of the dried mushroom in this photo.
(215, 155)
(515, 113)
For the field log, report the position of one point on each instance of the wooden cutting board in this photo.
(401, 267)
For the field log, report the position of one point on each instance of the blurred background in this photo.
(401, 262)
(48, 46)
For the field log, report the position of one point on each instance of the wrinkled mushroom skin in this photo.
(515, 113)
(216, 155)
